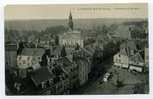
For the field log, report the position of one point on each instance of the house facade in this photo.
(42, 78)
(29, 57)
(71, 69)
(136, 63)
(121, 59)
(10, 55)
(82, 70)
(129, 57)
(82, 58)
(71, 39)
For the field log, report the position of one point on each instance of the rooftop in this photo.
(72, 34)
(65, 61)
(33, 51)
(127, 46)
(41, 75)
(11, 47)
(136, 58)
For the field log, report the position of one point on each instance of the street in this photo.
(129, 79)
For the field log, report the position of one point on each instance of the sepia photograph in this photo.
(76, 49)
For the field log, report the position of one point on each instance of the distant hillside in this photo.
(78, 23)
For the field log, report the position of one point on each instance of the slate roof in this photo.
(136, 58)
(131, 45)
(33, 51)
(91, 48)
(87, 52)
(11, 47)
(65, 61)
(57, 70)
(124, 52)
(72, 35)
(82, 62)
(41, 75)
(127, 46)
(56, 50)
(122, 31)
(66, 64)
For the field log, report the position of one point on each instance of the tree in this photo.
(63, 52)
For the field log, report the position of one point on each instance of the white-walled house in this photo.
(121, 59)
(29, 57)
(136, 63)
(129, 57)
(71, 39)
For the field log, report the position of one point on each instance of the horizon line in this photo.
(67, 19)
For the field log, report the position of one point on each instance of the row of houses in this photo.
(131, 57)
(59, 75)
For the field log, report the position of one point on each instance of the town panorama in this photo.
(76, 56)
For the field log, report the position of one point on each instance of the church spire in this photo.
(70, 23)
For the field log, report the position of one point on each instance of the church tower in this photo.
(70, 23)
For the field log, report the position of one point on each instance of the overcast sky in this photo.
(15, 12)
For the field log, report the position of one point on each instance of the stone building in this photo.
(61, 80)
(10, 55)
(122, 58)
(29, 57)
(42, 77)
(82, 58)
(82, 70)
(51, 81)
(71, 69)
(136, 62)
(129, 57)
(71, 37)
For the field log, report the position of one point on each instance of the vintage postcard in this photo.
(76, 49)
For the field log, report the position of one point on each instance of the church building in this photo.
(72, 37)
